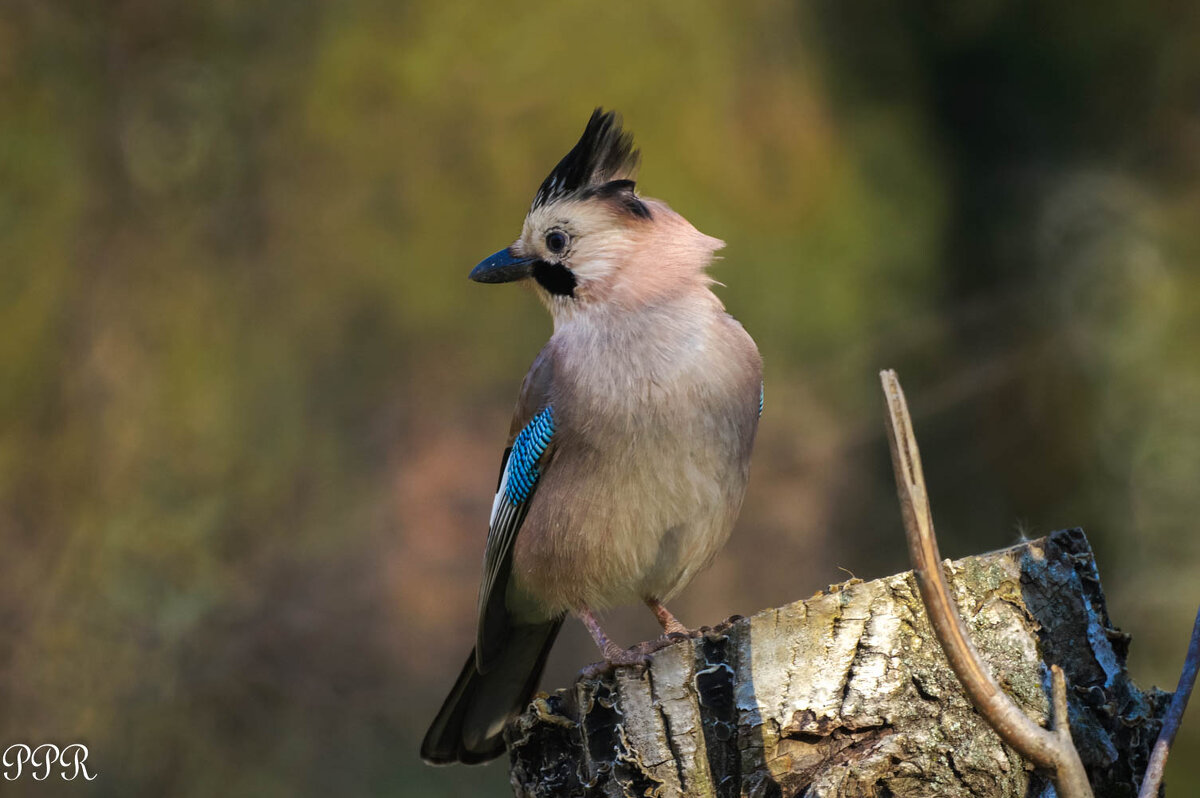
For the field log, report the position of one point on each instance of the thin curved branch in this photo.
(1052, 751)
(1162, 746)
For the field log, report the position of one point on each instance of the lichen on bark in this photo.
(848, 694)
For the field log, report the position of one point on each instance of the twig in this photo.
(1162, 746)
(1052, 751)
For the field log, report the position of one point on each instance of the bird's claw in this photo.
(595, 670)
(673, 638)
(621, 657)
(617, 657)
(659, 643)
(639, 655)
(694, 634)
(724, 625)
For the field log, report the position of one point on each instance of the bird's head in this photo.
(589, 240)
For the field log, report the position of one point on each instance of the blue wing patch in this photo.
(519, 477)
(530, 444)
(762, 387)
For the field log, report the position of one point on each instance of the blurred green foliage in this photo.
(250, 409)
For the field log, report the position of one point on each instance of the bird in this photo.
(629, 449)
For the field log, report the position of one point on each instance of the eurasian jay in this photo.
(629, 450)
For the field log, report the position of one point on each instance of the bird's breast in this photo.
(649, 469)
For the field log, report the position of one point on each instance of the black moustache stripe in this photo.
(555, 278)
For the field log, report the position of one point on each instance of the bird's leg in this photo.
(613, 654)
(666, 620)
(675, 631)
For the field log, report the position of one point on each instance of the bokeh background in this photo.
(251, 409)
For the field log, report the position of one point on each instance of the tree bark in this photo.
(848, 694)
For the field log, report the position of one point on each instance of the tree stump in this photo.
(848, 694)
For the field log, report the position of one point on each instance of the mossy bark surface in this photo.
(848, 694)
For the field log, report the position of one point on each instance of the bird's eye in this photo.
(556, 241)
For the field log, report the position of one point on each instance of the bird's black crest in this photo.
(620, 192)
(601, 164)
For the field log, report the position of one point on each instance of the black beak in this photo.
(503, 267)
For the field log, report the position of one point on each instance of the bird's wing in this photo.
(529, 453)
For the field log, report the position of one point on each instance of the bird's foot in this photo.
(694, 634)
(622, 657)
(659, 643)
(724, 625)
(617, 657)
(690, 634)
(594, 671)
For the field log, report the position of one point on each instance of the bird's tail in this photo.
(469, 727)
